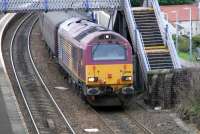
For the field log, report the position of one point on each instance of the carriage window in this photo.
(102, 52)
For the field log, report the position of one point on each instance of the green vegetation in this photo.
(183, 46)
(196, 41)
(183, 55)
(175, 2)
(195, 109)
(183, 43)
(136, 2)
(186, 56)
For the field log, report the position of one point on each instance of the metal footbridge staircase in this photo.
(157, 53)
(155, 50)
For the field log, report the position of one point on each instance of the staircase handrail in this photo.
(169, 40)
(172, 48)
(142, 50)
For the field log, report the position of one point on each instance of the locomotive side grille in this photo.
(85, 33)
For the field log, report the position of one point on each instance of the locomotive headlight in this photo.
(92, 79)
(107, 36)
(127, 78)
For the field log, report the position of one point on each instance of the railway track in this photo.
(139, 124)
(45, 115)
(121, 122)
(81, 115)
(117, 120)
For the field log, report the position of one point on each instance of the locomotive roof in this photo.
(81, 31)
(79, 28)
(68, 35)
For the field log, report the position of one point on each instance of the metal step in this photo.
(142, 21)
(151, 43)
(163, 67)
(144, 15)
(145, 18)
(150, 32)
(142, 12)
(161, 46)
(151, 35)
(169, 61)
(158, 54)
(147, 26)
(159, 58)
(161, 64)
(146, 21)
(152, 38)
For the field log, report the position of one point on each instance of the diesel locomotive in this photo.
(98, 61)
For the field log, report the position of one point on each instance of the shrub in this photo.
(196, 41)
(136, 2)
(183, 43)
(175, 2)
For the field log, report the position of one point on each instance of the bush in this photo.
(136, 2)
(196, 41)
(175, 2)
(183, 43)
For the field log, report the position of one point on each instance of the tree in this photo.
(196, 41)
(136, 2)
(175, 2)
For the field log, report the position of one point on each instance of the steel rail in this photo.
(140, 125)
(16, 76)
(45, 86)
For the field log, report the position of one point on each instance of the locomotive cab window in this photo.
(106, 52)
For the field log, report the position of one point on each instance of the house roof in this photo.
(183, 13)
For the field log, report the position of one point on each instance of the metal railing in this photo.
(165, 33)
(141, 54)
